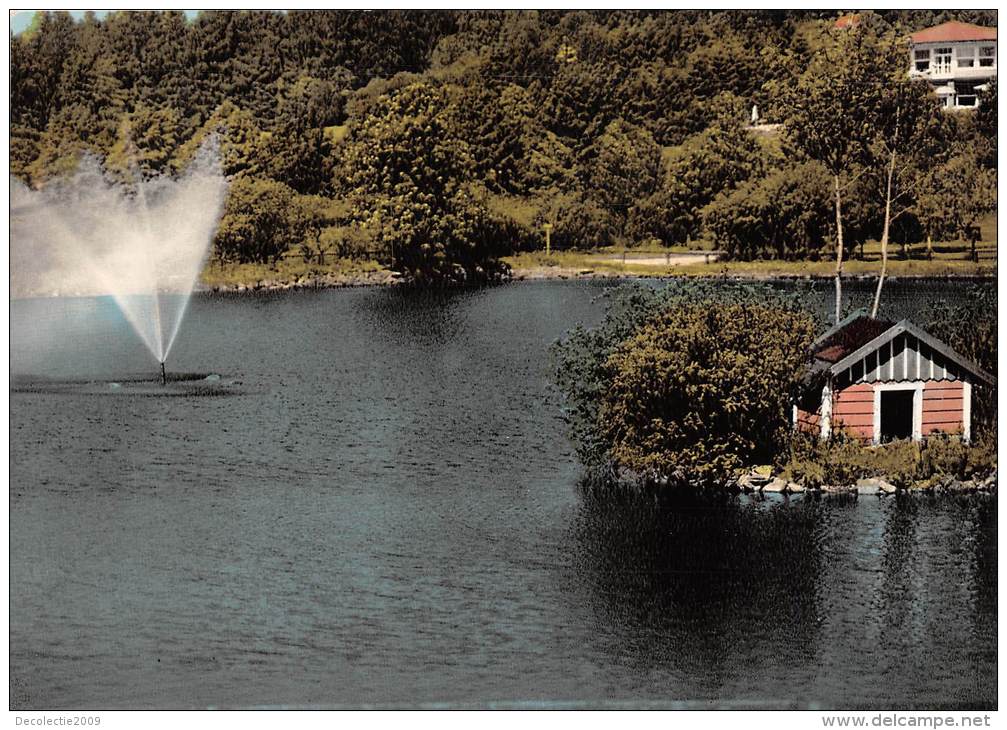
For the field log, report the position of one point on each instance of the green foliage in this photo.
(831, 113)
(242, 142)
(512, 150)
(565, 114)
(842, 460)
(955, 195)
(622, 166)
(298, 152)
(969, 325)
(579, 223)
(147, 140)
(683, 383)
(785, 215)
(703, 389)
(410, 183)
(260, 222)
(705, 165)
(986, 125)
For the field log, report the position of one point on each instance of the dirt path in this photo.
(675, 259)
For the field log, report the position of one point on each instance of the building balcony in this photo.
(954, 73)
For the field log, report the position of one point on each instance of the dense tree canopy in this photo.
(614, 126)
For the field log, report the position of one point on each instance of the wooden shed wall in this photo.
(942, 406)
(853, 410)
(809, 422)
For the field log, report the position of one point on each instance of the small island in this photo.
(727, 388)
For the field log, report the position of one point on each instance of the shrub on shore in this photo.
(684, 384)
(843, 460)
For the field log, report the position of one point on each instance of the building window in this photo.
(966, 56)
(987, 55)
(966, 91)
(922, 59)
(942, 59)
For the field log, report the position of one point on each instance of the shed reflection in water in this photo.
(763, 599)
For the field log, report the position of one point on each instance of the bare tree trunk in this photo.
(839, 250)
(884, 236)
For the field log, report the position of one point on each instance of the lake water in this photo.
(379, 507)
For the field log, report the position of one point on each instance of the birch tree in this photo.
(830, 115)
(908, 125)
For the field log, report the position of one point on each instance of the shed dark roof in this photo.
(848, 336)
(857, 335)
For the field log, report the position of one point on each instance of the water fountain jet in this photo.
(142, 243)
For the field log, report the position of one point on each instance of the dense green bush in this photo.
(583, 224)
(622, 166)
(684, 383)
(696, 172)
(411, 183)
(842, 460)
(704, 388)
(260, 222)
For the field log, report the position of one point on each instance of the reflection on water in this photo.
(797, 601)
(387, 513)
(706, 592)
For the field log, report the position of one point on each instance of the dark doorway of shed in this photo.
(896, 414)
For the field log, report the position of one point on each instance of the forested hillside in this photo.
(437, 141)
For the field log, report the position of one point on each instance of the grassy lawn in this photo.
(567, 263)
(937, 267)
(950, 258)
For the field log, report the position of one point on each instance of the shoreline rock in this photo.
(750, 482)
(875, 486)
(327, 281)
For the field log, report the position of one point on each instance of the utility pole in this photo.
(547, 227)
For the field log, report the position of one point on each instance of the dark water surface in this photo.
(385, 512)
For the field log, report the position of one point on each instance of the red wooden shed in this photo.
(882, 380)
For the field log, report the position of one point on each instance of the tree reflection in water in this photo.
(771, 599)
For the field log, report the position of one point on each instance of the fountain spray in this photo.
(164, 377)
(142, 240)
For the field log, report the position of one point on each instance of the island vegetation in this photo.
(691, 385)
(437, 145)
